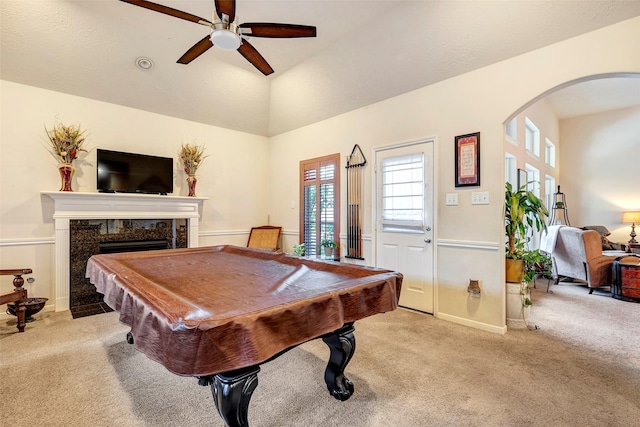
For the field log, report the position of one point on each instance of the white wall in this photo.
(600, 169)
(477, 101)
(234, 176)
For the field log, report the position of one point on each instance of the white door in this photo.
(404, 219)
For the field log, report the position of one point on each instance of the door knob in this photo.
(427, 240)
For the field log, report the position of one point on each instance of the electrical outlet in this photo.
(452, 199)
(480, 198)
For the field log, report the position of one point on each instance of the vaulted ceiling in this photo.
(365, 51)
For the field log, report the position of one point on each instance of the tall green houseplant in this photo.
(523, 211)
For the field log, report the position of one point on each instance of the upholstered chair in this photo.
(578, 255)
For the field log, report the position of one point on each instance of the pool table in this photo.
(217, 313)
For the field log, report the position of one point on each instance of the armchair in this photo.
(578, 254)
(18, 295)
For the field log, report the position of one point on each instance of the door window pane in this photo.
(403, 193)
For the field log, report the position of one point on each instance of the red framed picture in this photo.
(468, 160)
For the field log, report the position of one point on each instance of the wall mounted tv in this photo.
(120, 172)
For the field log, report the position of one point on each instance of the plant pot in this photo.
(517, 313)
(328, 252)
(514, 270)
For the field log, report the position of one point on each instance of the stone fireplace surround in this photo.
(92, 206)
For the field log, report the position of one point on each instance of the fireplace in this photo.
(103, 214)
(90, 237)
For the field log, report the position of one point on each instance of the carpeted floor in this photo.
(580, 368)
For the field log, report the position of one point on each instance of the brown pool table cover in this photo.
(202, 311)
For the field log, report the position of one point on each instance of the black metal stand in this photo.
(559, 210)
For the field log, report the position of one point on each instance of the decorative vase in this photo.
(514, 270)
(66, 173)
(192, 181)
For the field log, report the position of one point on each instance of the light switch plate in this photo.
(452, 199)
(480, 198)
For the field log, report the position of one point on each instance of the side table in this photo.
(626, 278)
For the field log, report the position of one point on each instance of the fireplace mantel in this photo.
(78, 205)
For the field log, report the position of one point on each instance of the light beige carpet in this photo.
(581, 368)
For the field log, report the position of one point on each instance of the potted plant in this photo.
(191, 157)
(328, 246)
(523, 211)
(66, 143)
(299, 249)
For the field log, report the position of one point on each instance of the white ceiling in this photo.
(365, 51)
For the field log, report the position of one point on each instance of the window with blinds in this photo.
(319, 201)
(403, 193)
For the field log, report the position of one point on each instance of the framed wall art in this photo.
(468, 160)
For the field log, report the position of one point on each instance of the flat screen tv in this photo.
(120, 172)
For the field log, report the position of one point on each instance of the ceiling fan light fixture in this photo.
(226, 39)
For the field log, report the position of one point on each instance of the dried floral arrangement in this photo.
(66, 142)
(191, 157)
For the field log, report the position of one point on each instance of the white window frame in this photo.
(511, 130)
(531, 137)
(549, 189)
(511, 169)
(533, 178)
(403, 195)
(549, 153)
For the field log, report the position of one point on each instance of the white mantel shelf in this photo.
(70, 205)
(77, 205)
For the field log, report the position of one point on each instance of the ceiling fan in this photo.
(227, 34)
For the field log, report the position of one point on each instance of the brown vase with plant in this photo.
(65, 145)
(191, 157)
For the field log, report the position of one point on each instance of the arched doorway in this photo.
(582, 135)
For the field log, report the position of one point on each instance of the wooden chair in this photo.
(18, 295)
(266, 237)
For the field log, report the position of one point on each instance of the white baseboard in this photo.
(471, 323)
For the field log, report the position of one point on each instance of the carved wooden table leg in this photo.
(232, 392)
(18, 295)
(342, 345)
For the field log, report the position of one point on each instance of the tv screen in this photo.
(120, 172)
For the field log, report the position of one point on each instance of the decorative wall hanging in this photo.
(467, 155)
(355, 178)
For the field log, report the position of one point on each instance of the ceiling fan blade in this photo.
(252, 55)
(168, 11)
(227, 7)
(264, 29)
(196, 50)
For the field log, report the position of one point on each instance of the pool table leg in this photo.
(232, 392)
(342, 345)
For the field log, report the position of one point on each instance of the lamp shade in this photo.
(629, 217)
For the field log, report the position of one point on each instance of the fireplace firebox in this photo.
(90, 237)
